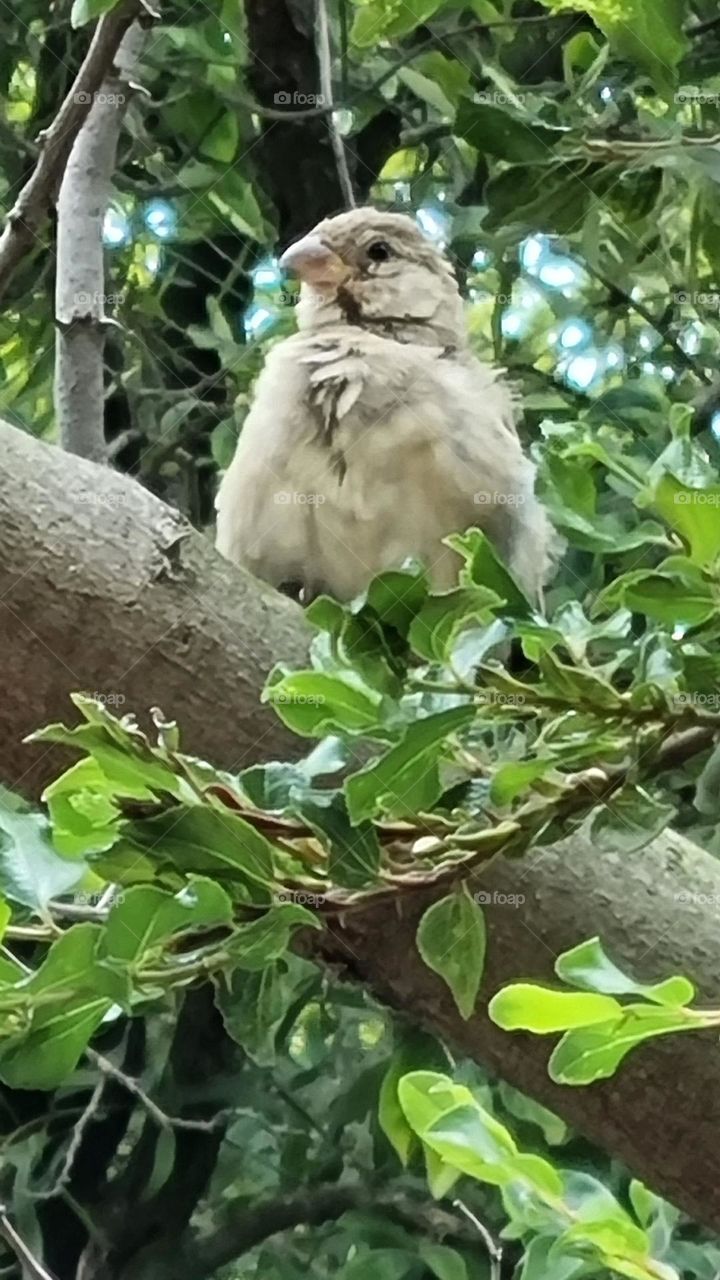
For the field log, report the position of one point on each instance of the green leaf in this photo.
(221, 142)
(662, 597)
(406, 780)
(595, 1053)
(434, 632)
(380, 1264)
(443, 1262)
(377, 19)
(313, 703)
(512, 778)
(451, 940)
(484, 568)
(146, 917)
(354, 850)
(648, 34)
(498, 132)
(85, 10)
(255, 1006)
(629, 821)
(554, 1130)
(587, 966)
(69, 995)
(693, 513)
(197, 840)
(254, 946)
(31, 872)
(522, 1006)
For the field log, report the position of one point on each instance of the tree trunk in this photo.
(104, 588)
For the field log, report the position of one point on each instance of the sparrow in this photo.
(375, 431)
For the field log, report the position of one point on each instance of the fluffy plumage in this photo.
(374, 431)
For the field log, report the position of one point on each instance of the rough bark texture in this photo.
(105, 589)
(98, 593)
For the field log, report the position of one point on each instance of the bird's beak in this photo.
(313, 262)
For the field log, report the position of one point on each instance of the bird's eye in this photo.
(379, 251)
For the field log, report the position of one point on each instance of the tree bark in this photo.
(80, 295)
(104, 588)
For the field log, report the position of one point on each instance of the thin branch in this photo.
(80, 290)
(324, 54)
(494, 1249)
(32, 1267)
(74, 1145)
(32, 208)
(160, 1117)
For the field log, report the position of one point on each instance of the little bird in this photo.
(374, 430)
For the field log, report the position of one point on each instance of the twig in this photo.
(160, 1117)
(324, 55)
(494, 1250)
(74, 1145)
(32, 207)
(32, 1268)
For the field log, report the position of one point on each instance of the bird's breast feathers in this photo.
(360, 451)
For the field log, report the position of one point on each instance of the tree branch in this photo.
(101, 594)
(32, 207)
(80, 295)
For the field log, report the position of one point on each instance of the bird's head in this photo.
(376, 270)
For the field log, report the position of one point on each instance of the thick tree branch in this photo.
(32, 207)
(100, 588)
